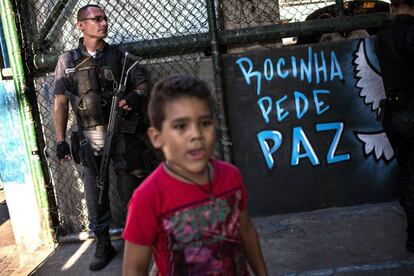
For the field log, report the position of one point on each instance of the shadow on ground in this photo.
(361, 240)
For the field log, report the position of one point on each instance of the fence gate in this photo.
(186, 36)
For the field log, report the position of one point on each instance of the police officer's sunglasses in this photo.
(98, 18)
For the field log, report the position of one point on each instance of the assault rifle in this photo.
(113, 124)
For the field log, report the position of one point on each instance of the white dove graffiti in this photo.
(372, 89)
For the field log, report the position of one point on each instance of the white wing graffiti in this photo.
(372, 89)
(377, 142)
(370, 81)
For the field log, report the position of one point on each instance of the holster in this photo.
(128, 123)
(77, 152)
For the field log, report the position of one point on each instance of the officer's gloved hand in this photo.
(62, 150)
(134, 99)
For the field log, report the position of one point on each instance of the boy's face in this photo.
(187, 135)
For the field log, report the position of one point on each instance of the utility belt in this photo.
(100, 128)
(127, 124)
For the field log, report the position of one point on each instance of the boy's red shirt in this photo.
(189, 233)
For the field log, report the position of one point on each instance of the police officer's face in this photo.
(94, 24)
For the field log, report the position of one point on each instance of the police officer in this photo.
(85, 77)
(394, 47)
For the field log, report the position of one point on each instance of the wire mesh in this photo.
(251, 13)
(49, 26)
(129, 21)
(298, 10)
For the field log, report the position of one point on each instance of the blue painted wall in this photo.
(14, 166)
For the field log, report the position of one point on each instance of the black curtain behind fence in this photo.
(186, 36)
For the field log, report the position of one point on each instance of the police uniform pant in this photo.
(99, 215)
(129, 174)
(399, 127)
(131, 163)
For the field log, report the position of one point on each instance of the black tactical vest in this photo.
(92, 83)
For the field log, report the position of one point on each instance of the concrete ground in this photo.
(7, 243)
(360, 240)
(11, 262)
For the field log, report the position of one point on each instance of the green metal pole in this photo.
(29, 135)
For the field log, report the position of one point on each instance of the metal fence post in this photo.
(339, 7)
(223, 132)
(173, 37)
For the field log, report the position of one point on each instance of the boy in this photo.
(191, 211)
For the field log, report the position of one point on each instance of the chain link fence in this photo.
(250, 13)
(173, 36)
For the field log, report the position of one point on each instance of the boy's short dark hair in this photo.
(82, 11)
(173, 88)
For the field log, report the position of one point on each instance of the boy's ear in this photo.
(155, 137)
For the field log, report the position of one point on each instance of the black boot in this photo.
(104, 250)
